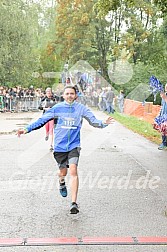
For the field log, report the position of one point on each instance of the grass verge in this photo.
(139, 126)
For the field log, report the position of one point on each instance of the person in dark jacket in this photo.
(47, 102)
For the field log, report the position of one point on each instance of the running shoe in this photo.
(46, 138)
(74, 208)
(162, 147)
(51, 148)
(63, 189)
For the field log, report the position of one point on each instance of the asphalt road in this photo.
(123, 188)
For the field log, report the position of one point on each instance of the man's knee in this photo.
(63, 172)
(73, 171)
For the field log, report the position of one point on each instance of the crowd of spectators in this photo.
(19, 99)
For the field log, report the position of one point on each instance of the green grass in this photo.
(139, 126)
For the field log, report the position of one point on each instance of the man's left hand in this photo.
(109, 120)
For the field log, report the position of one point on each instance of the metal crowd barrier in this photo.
(31, 103)
(19, 104)
(1, 103)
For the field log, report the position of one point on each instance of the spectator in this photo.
(120, 99)
(109, 100)
(163, 112)
(102, 100)
(46, 103)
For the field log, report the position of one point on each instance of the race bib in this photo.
(69, 123)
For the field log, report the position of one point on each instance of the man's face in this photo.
(48, 93)
(69, 95)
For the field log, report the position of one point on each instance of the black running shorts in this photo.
(64, 159)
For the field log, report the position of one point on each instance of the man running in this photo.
(69, 114)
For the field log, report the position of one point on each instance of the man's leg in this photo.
(164, 140)
(74, 181)
(163, 145)
(73, 159)
(61, 159)
(107, 107)
(62, 173)
(63, 189)
(112, 108)
(74, 188)
(104, 104)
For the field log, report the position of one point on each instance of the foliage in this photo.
(82, 35)
(162, 4)
(73, 33)
(27, 29)
(138, 30)
(17, 60)
(36, 38)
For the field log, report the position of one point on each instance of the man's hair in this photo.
(70, 86)
(48, 89)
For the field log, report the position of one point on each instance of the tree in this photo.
(81, 35)
(17, 59)
(26, 32)
(162, 4)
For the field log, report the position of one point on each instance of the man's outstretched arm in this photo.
(89, 116)
(40, 122)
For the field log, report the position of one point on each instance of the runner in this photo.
(67, 137)
(48, 102)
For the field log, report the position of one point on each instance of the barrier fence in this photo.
(146, 111)
(31, 103)
(19, 104)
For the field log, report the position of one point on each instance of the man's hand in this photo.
(20, 132)
(109, 120)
